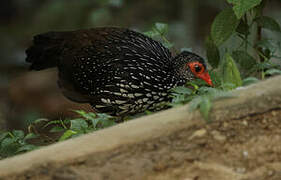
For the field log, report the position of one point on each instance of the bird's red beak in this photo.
(206, 77)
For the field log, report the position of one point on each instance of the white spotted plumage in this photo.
(125, 72)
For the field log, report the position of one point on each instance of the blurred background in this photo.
(25, 96)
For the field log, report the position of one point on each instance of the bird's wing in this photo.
(93, 59)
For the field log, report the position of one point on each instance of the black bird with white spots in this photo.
(118, 71)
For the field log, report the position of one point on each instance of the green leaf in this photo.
(89, 116)
(245, 60)
(195, 103)
(95, 122)
(162, 28)
(249, 80)
(57, 129)
(223, 26)
(151, 34)
(240, 7)
(243, 28)
(178, 99)
(231, 73)
(18, 133)
(86, 115)
(80, 112)
(272, 71)
(182, 90)
(258, 10)
(203, 101)
(25, 148)
(196, 83)
(30, 136)
(107, 123)
(268, 23)
(9, 147)
(98, 122)
(268, 47)
(216, 78)
(67, 134)
(205, 107)
(104, 116)
(267, 44)
(3, 135)
(7, 142)
(78, 124)
(213, 53)
(159, 30)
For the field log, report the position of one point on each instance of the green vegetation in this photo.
(87, 122)
(16, 142)
(244, 63)
(247, 61)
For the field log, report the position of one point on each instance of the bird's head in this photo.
(191, 66)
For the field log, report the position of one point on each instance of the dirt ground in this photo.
(246, 149)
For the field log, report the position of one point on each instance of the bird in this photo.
(116, 70)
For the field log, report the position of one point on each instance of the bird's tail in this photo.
(45, 51)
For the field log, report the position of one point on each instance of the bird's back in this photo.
(117, 70)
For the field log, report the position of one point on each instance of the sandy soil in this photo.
(246, 149)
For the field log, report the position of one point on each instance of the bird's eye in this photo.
(197, 68)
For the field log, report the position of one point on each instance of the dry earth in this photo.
(243, 142)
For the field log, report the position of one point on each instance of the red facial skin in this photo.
(199, 71)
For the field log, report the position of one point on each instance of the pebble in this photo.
(198, 133)
(245, 123)
(274, 113)
(245, 154)
(218, 136)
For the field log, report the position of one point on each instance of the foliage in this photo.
(223, 26)
(16, 141)
(159, 31)
(244, 20)
(233, 67)
(241, 64)
(241, 7)
(87, 122)
(200, 97)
